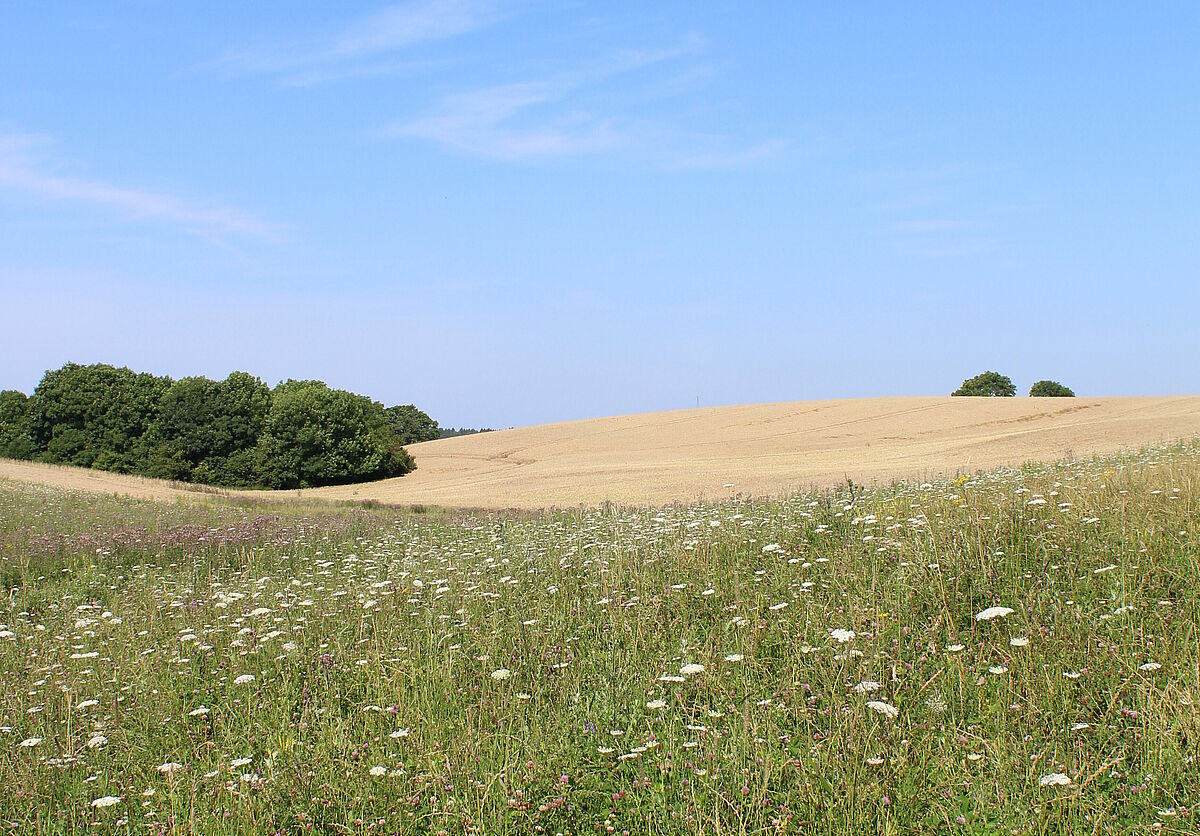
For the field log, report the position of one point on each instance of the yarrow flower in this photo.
(842, 636)
(106, 801)
(244, 679)
(655, 705)
(692, 669)
(993, 612)
(1054, 779)
(501, 674)
(30, 742)
(886, 709)
(377, 771)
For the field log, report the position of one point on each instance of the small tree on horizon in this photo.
(1050, 389)
(989, 384)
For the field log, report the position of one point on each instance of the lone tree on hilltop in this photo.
(986, 385)
(1050, 389)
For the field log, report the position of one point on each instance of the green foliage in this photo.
(233, 432)
(315, 435)
(453, 432)
(411, 425)
(94, 416)
(14, 429)
(206, 429)
(1050, 389)
(987, 385)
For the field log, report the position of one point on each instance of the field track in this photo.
(717, 452)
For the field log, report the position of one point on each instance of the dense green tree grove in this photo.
(411, 425)
(234, 432)
(991, 384)
(986, 385)
(1050, 389)
(454, 432)
(14, 440)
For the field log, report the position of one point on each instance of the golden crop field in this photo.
(758, 450)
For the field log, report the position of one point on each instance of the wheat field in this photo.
(718, 452)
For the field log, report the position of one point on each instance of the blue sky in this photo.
(511, 213)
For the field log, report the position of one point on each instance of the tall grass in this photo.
(814, 663)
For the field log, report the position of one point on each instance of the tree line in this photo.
(236, 432)
(454, 432)
(991, 384)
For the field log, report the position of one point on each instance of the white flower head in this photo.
(106, 801)
(885, 708)
(501, 674)
(1054, 779)
(993, 612)
(842, 636)
(692, 669)
(244, 679)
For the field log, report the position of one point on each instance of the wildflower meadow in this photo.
(1010, 652)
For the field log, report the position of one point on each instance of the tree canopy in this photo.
(987, 385)
(235, 432)
(14, 441)
(1050, 389)
(411, 425)
(315, 435)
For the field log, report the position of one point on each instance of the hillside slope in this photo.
(716, 452)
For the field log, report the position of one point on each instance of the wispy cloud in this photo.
(484, 122)
(943, 211)
(927, 226)
(23, 170)
(735, 158)
(549, 118)
(367, 46)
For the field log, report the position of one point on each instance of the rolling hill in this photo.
(760, 449)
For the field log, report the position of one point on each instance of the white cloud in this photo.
(362, 47)
(731, 158)
(482, 122)
(22, 171)
(549, 118)
(400, 26)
